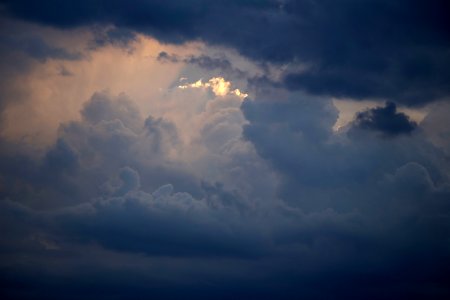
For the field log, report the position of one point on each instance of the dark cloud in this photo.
(202, 61)
(163, 223)
(437, 126)
(385, 120)
(375, 178)
(22, 51)
(370, 49)
(60, 157)
(360, 211)
(38, 49)
(167, 240)
(118, 37)
(102, 108)
(205, 62)
(265, 200)
(166, 57)
(63, 71)
(111, 133)
(295, 135)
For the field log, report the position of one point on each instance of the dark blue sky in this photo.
(204, 149)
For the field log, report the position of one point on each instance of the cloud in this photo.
(183, 242)
(39, 50)
(437, 126)
(111, 133)
(205, 62)
(376, 50)
(384, 181)
(193, 189)
(21, 52)
(118, 37)
(188, 148)
(319, 166)
(218, 85)
(385, 120)
(159, 223)
(345, 207)
(37, 89)
(63, 71)
(166, 57)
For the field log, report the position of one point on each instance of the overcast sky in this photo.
(240, 149)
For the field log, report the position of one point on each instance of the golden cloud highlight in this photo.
(218, 85)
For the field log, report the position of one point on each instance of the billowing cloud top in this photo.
(196, 149)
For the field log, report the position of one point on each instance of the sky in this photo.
(240, 149)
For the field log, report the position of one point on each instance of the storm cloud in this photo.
(273, 149)
(371, 49)
(385, 120)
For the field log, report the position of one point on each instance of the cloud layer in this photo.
(373, 205)
(184, 149)
(376, 49)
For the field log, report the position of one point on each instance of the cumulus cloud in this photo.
(163, 222)
(111, 134)
(384, 181)
(320, 166)
(370, 204)
(43, 92)
(385, 120)
(226, 183)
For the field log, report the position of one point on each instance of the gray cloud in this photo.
(263, 199)
(353, 207)
(118, 37)
(385, 120)
(205, 62)
(322, 168)
(39, 50)
(111, 134)
(377, 50)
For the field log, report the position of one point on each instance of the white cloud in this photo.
(218, 85)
